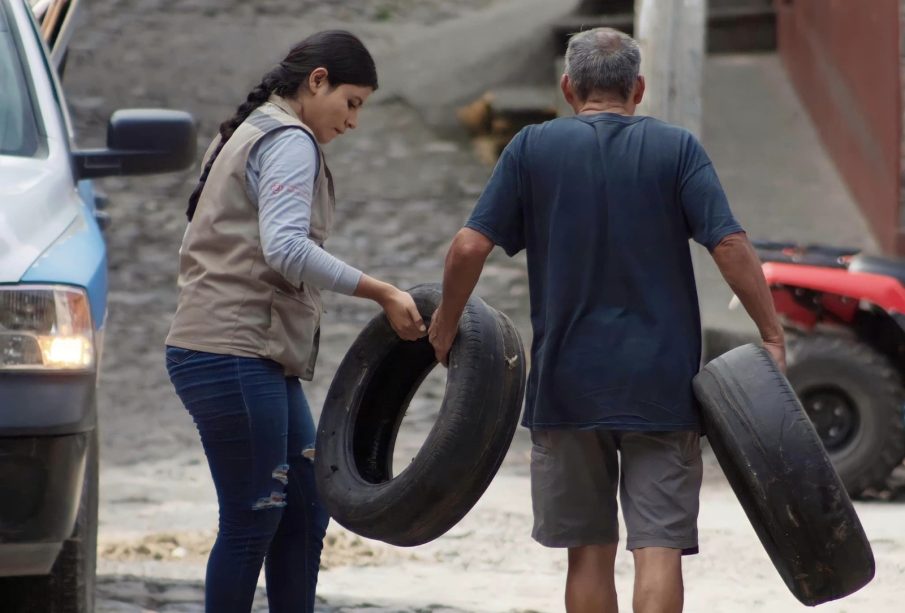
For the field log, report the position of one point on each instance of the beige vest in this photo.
(230, 300)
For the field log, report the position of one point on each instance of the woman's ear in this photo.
(318, 79)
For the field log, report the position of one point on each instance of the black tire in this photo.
(365, 406)
(74, 576)
(854, 397)
(70, 586)
(777, 466)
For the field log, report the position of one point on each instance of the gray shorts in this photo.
(574, 475)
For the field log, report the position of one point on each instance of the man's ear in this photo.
(566, 86)
(318, 79)
(640, 86)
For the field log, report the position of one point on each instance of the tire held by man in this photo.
(463, 451)
(778, 468)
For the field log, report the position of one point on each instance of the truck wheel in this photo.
(69, 588)
(854, 399)
(777, 467)
(73, 576)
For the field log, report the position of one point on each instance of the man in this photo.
(605, 203)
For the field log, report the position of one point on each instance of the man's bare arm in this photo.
(464, 263)
(741, 268)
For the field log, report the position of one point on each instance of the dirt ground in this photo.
(403, 189)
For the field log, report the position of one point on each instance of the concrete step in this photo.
(741, 28)
(567, 26)
(722, 4)
(732, 26)
(505, 110)
(494, 118)
(514, 101)
(601, 7)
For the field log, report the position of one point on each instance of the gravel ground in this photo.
(424, 12)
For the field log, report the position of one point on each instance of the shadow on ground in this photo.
(130, 594)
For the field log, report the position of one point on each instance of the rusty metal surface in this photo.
(836, 55)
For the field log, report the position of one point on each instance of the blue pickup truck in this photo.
(53, 294)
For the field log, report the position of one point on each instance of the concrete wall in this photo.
(439, 67)
(843, 57)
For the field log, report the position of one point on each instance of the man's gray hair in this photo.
(602, 60)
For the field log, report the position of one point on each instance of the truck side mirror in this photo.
(140, 142)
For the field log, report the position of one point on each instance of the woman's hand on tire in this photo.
(398, 305)
(403, 315)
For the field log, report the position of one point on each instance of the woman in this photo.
(247, 323)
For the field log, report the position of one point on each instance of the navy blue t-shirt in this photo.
(605, 206)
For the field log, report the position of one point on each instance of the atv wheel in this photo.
(854, 399)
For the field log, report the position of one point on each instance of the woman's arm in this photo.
(281, 174)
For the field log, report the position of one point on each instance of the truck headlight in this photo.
(45, 328)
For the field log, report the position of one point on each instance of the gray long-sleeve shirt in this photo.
(280, 175)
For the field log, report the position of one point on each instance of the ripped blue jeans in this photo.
(258, 435)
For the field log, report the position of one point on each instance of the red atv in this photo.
(844, 313)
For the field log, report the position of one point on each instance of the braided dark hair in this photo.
(343, 55)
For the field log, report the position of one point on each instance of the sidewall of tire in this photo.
(463, 449)
(783, 478)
